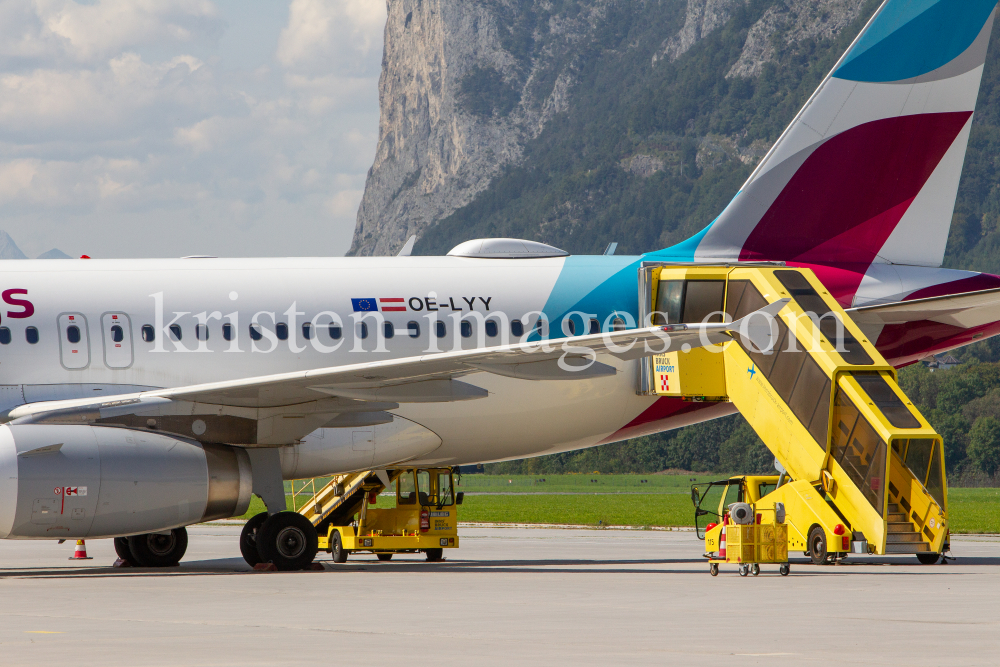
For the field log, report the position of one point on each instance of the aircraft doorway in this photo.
(116, 329)
(74, 341)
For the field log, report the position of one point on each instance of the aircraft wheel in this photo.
(434, 555)
(288, 540)
(755, 569)
(928, 558)
(713, 569)
(817, 545)
(784, 569)
(384, 556)
(248, 538)
(338, 550)
(155, 550)
(121, 548)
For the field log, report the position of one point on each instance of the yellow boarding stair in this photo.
(864, 467)
(341, 497)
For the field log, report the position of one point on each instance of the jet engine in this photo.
(82, 481)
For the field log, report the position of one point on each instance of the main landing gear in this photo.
(153, 549)
(286, 539)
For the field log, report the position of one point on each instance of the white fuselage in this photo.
(519, 418)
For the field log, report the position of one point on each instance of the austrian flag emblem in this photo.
(383, 305)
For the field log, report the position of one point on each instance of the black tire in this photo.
(817, 545)
(121, 548)
(155, 550)
(755, 569)
(929, 558)
(384, 556)
(744, 570)
(338, 550)
(784, 569)
(713, 569)
(288, 540)
(434, 555)
(248, 539)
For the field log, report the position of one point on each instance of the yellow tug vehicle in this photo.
(861, 470)
(736, 533)
(424, 518)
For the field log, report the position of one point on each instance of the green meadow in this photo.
(631, 500)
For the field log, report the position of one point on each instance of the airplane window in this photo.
(572, 327)
(73, 333)
(516, 328)
(440, 329)
(175, 331)
(4, 336)
(335, 332)
(364, 330)
(281, 329)
(201, 331)
(31, 335)
(618, 324)
(307, 331)
(117, 333)
(492, 328)
(255, 333)
(595, 326)
(414, 329)
(227, 331)
(149, 333)
(466, 329)
(540, 326)
(390, 330)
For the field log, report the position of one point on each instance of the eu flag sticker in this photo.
(365, 305)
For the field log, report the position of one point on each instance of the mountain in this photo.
(55, 253)
(9, 249)
(581, 122)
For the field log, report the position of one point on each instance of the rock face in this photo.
(789, 23)
(703, 16)
(466, 85)
(459, 96)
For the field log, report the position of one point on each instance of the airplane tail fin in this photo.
(869, 169)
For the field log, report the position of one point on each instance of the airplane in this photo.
(142, 396)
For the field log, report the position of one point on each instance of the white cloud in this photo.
(123, 134)
(345, 31)
(95, 31)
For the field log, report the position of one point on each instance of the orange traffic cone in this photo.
(81, 551)
(722, 544)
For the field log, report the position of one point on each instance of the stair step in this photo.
(907, 547)
(893, 508)
(897, 538)
(896, 517)
(901, 527)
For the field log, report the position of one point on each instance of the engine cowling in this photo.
(93, 481)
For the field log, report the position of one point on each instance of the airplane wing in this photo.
(355, 392)
(967, 310)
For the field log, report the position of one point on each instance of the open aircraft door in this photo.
(74, 341)
(116, 329)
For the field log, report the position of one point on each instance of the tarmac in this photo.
(507, 596)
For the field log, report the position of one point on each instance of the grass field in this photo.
(662, 500)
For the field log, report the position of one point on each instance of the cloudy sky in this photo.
(160, 128)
